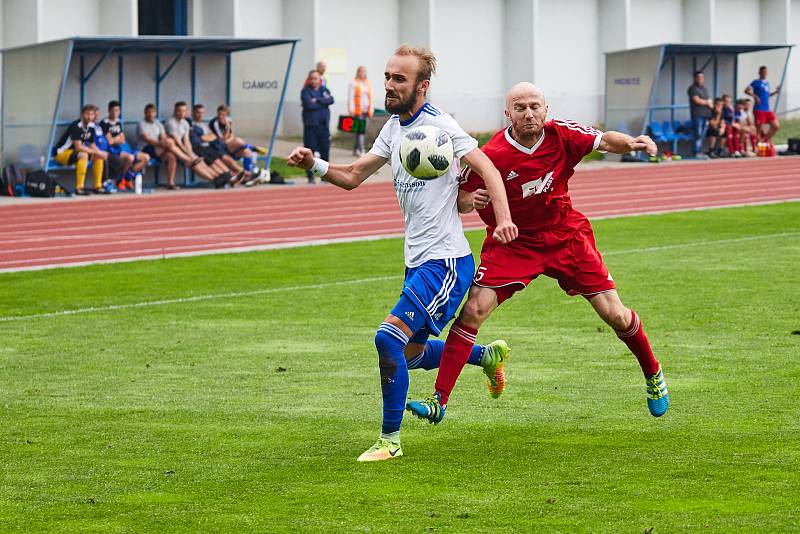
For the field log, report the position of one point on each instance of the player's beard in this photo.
(401, 107)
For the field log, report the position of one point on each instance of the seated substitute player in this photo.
(155, 143)
(113, 128)
(537, 159)
(178, 128)
(717, 129)
(76, 147)
(236, 147)
(439, 264)
(202, 138)
(747, 129)
(116, 164)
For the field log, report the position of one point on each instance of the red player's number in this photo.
(480, 273)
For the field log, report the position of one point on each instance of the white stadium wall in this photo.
(567, 62)
(655, 23)
(483, 46)
(793, 74)
(731, 22)
(353, 33)
(470, 84)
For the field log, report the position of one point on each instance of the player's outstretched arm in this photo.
(505, 231)
(620, 143)
(344, 176)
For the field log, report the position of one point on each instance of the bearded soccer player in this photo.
(537, 159)
(439, 265)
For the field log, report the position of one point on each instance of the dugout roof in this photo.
(649, 84)
(45, 84)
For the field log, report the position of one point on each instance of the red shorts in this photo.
(574, 262)
(763, 117)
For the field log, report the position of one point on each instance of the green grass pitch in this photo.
(241, 400)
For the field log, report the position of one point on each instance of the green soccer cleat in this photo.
(431, 409)
(382, 450)
(493, 362)
(657, 394)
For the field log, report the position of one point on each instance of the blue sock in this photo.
(430, 357)
(390, 342)
(247, 163)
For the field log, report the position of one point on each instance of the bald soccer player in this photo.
(536, 159)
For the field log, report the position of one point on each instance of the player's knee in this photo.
(386, 345)
(474, 311)
(618, 317)
(143, 156)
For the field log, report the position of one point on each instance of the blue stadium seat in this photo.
(671, 134)
(658, 133)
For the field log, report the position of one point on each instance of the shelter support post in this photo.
(280, 106)
(64, 76)
(783, 78)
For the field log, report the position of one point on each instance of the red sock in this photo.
(456, 352)
(636, 340)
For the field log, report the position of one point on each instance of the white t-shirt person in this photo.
(432, 224)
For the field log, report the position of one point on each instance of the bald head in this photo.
(527, 111)
(523, 90)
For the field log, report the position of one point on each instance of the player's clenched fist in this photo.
(301, 157)
(480, 199)
(505, 232)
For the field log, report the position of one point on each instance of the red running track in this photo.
(82, 231)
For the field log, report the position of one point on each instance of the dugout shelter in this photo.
(646, 87)
(45, 85)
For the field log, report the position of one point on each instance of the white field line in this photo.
(266, 291)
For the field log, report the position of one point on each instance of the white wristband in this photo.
(320, 167)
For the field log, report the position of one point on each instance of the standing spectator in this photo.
(359, 104)
(316, 100)
(177, 128)
(321, 68)
(759, 90)
(700, 105)
(76, 147)
(118, 144)
(717, 129)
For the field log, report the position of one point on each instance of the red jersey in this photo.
(536, 178)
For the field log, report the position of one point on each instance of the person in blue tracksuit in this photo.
(316, 100)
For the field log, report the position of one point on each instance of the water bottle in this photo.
(137, 184)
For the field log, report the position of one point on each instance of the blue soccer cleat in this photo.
(657, 394)
(431, 409)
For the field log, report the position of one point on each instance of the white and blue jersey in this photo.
(430, 213)
(437, 255)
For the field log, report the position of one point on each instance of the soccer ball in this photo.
(426, 152)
